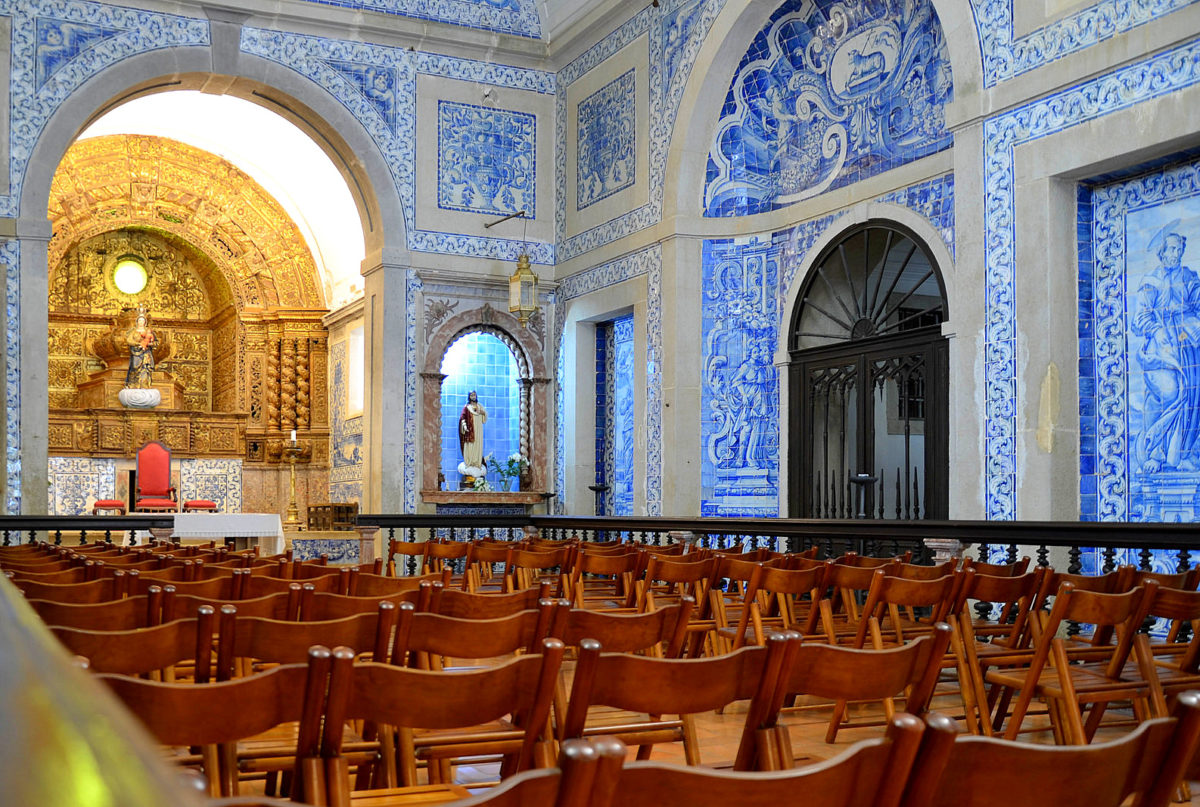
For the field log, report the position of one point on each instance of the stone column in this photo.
(28, 457)
(681, 376)
(385, 315)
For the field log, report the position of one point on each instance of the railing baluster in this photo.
(1182, 561)
(1043, 555)
(1144, 558)
(1110, 559)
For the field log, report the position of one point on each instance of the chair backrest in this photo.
(916, 571)
(102, 590)
(154, 470)
(407, 698)
(474, 639)
(627, 633)
(207, 714)
(315, 606)
(678, 686)
(126, 614)
(1187, 581)
(887, 591)
(997, 569)
(145, 650)
(283, 642)
(786, 584)
(968, 771)
(377, 585)
(1101, 610)
(852, 674)
(465, 605)
(284, 605)
(1014, 595)
(871, 773)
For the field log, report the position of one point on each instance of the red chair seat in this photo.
(199, 504)
(108, 504)
(157, 504)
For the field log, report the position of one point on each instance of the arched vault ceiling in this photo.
(107, 183)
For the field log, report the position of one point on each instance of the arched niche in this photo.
(535, 398)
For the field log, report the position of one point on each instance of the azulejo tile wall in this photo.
(377, 84)
(607, 154)
(486, 160)
(219, 481)
(826, 95)
(77, 482)
(746, 286)
(1139, 338)
(518, 17)
(648, 263)
(619, 418)
(739, 409)
(346, 434)
(1006, 55)
(10, 257)
(1158, 75)
(676, 31)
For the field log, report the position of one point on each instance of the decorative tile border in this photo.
(1112, 485)
(10, 256)
(1006, 56)
(517, 17)
(676, 32)
(412, 291)
(322, 59)
(647, 262)
(1153, 77)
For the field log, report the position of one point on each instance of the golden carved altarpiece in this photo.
(230, 278)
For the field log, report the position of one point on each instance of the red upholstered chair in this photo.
(155, 493)
(116, 506)
(199, 506)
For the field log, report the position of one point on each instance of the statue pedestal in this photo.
(101, 389)
(464, 501)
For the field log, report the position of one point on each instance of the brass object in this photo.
(292, 453)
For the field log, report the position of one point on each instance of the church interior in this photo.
(893, 260)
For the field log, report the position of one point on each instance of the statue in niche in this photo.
(1167, 317)
(141, 340)
(470, 438)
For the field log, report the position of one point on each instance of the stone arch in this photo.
(731, 34)
(535, 389)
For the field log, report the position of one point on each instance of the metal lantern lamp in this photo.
(522, 290)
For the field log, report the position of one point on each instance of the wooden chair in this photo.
(216, 715)
(1014, 569)
(962, 771)
(406, 549)
(442, 554)
(421, 699)
(1068, 686)
(682, 687)
(774, 597)
(984, 642)
(603, 579)
(841, 612)
(527, 568)
(479, 566)
(843, 674)
(316, 606)
(658, 634)
(669, 578)
(284, 605)
(375, 585)
(101, 590)
(871, 773)
(143, 651)
(437, 638)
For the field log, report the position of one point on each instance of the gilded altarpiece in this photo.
(229, 279)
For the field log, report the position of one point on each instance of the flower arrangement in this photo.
(514, 466)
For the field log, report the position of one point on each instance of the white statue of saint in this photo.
(470, 437)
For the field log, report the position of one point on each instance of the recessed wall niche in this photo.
(185, 293)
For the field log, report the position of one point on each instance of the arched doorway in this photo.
(868, 380)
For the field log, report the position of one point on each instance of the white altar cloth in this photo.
(266, 527)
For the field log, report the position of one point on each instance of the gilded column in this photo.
(287, 384)
(273, 409)
(303, 385)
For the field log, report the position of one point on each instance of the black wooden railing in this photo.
(833, 536)
(77, 529)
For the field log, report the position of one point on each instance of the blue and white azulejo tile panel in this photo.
(620, 420)
(1006, 55)
(487, 159)
(828, 94)
(607, 129)
(10, 257)
(517, 17)
(346, 434)
(739, 394)
(1158, 75)
(77, 482)
(338, 550)
(1140, 348)
(219, 481)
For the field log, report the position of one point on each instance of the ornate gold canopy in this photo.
(137, 181)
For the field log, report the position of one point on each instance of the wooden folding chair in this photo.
(147, 651)
(954, 770)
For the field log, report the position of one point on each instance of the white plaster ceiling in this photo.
(559, 17)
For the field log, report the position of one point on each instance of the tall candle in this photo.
(293, 436)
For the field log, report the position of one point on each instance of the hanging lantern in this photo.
(522, 290)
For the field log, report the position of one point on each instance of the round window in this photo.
(129, 275)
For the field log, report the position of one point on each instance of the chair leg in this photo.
(691, 743)
(835, 721)
(1075, 732)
